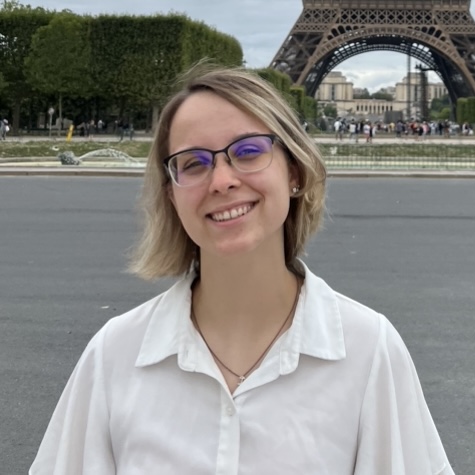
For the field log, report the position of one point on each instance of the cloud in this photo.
(374, 70)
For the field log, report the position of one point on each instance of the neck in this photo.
(244, 294)
(240, 307)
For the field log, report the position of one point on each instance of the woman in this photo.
(249, 364)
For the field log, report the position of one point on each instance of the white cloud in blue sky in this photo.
(260, 26)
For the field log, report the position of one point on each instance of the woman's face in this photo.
(260, 199)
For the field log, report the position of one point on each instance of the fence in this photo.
(418, 156)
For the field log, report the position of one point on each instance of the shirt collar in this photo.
(169, 324)
(316, 330)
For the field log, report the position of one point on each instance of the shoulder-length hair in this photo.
(165, 249)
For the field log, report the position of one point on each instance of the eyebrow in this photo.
(237, 137)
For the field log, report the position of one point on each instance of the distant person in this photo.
(338, 127)
(447, 129)
(249, 364)
(368, 131)
(440, 128)
(399, 129)
(121, 128)
(90, 126)
(353, 132)
(419, 130)
(374, 131)
(465, 128)
(125, 129)
(4, 128)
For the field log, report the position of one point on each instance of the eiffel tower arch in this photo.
(439, 33)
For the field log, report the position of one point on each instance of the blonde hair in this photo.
(165, 249)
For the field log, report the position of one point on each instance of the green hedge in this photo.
(133, 64)
(466, 110)
(305, 106)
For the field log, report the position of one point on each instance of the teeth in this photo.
(231, 214)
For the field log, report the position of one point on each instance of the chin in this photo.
(233, 249)
(243, 246)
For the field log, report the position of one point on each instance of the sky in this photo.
(261, 26)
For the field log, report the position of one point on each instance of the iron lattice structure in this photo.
(439, 33)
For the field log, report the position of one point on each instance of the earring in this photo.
(295, 189)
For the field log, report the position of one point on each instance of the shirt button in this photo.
(230, 411)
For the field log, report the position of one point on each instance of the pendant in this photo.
(241, 380)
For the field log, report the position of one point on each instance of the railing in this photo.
(421, 156)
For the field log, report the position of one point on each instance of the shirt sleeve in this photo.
(77, 440)
(397, 435)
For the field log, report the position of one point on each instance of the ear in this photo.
(294, 175)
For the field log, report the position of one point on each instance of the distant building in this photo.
(336, 90)
(434, 91)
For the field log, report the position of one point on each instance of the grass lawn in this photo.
(50, 148)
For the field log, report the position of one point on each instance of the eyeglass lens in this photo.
(249, 154)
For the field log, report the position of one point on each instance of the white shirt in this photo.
(336, 395)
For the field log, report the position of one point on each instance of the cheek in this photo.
(185, 203)
(181, 205)
(280, 182)
(275, 190)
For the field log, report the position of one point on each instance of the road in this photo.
(402, 246)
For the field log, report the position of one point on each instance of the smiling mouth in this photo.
(233, 213)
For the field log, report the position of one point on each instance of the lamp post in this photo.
(50, 112)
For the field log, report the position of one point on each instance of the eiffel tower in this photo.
(439, 33)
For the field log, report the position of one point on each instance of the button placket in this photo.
(227, 462)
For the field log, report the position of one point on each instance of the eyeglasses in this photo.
(249, 154)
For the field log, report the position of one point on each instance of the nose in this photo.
(223, 176)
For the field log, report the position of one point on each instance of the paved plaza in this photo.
(402, 246)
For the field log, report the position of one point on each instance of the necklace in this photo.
(243, 376)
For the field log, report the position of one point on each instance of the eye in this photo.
(249, 148)
(193, 161)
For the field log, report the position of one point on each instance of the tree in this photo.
(17, 26)
(383, 96)
(10, 5)
(364, 94)
(445, 114)
(59, 60)
(3, 83)
(127, 62)
(462, 110)
(137, 59)
(438, 104)
(279, 80)
(330, 110)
